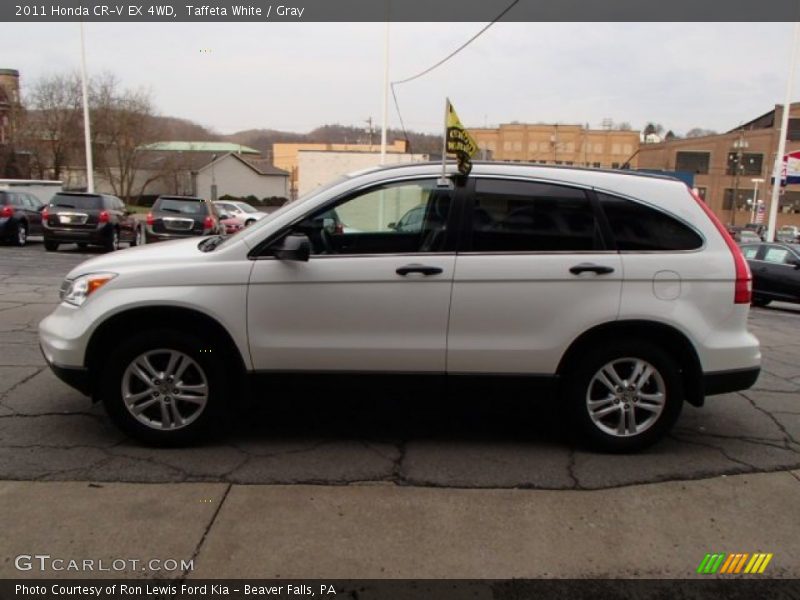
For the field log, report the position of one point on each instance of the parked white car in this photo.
(621, 292)
(240, 210)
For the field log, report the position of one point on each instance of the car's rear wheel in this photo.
(50, 246)
(138, 237)
(160, 388)
(760, 301)
(249, 222)
(112, 243)
(623, 396)
(21, 237)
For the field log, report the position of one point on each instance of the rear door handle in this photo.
(415, 268)
(592, 268)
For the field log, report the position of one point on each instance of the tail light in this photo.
(150, 218)
(208, 223)
(45, 214)
(103, 218)
(743, 290)
(7, 212)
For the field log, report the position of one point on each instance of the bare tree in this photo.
(52, 124)
(699, 132)
(122, 121)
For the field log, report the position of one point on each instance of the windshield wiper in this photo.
(208, 244)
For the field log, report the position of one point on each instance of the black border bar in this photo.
(400, 11)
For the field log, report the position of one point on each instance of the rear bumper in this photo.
(98, 235)
(723, 382)
(153, 236)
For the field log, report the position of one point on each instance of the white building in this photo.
(318, 167)
(239, 176)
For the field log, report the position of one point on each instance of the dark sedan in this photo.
(20, 215)
(83, 218)
(776, 272)
(174, 217)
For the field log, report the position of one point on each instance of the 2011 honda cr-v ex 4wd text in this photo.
(622, 292)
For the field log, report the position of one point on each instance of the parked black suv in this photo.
(174, 217)
(20, 215)
(82, 218)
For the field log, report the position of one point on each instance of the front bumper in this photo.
(75, 377)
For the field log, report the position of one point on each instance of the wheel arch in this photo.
(183, 319)
(666, 336)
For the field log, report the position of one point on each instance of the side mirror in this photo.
(296, 246)
(392, 226)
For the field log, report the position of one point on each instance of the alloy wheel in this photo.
(626, 397)
(165, 389)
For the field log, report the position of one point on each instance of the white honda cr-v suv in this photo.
(619, 293)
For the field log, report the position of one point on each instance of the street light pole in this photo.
(739, 144)
(756, 181)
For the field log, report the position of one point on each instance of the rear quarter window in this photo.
(637, 227)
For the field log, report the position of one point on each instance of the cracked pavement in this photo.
(50, 432)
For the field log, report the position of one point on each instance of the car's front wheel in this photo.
(161, 388)
(22, 235)
(623, 396)
(50, 246)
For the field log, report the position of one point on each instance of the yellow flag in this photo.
(459, 141)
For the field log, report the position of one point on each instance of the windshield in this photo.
(83, 202)
(288, 206)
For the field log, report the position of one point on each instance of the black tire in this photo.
(50, 246)
(758, 301)
(138, 237)
(111, 382)
(112, 242)
(20, 235)
(249, 222)
(576, 393)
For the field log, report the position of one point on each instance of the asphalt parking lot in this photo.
(50, 432)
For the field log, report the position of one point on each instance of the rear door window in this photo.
(637, 227)
(750, 252)
(521, 216)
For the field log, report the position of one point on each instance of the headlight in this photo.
(77, 290)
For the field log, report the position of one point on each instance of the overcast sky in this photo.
(295, 77)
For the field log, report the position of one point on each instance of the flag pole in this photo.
(443, 178)
(778, 168)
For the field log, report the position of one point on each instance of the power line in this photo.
(460, 48)
(440, 63)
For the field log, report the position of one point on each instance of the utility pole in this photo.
(385, 88)
(370, 131)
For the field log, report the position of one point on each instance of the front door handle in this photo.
(592, 268)
(415, 268)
